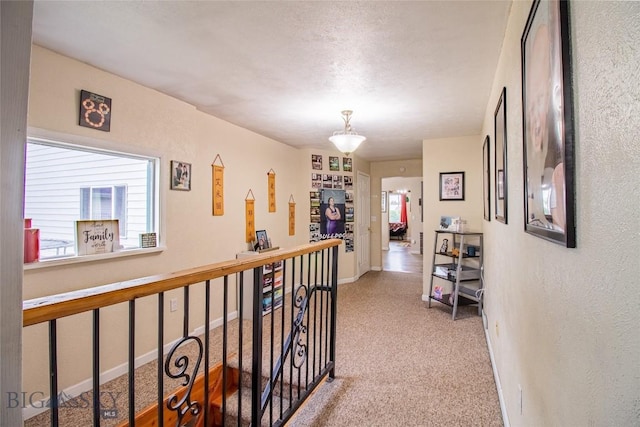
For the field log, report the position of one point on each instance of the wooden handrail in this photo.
(39, 310)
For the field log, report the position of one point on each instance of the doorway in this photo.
(401, 224)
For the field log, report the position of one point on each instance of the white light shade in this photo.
(347, 140)
(347, 143)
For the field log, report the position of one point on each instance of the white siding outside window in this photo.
(66, 183)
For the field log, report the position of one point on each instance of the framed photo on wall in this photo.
(500, 156)
(486, 178)
(180, 175)
(451, 185)
(547, 119)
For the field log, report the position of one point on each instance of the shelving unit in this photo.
(272, 282)
(463, 272)
(271, 287)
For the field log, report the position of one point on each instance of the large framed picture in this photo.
(547, 118)
(451, 185)
(486, 178)
(500, 156)
(180, 175)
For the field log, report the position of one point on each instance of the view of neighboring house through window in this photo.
(65, 183)
(394, 207)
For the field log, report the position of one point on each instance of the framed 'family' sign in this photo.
(97, 236)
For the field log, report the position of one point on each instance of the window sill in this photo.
(56, 262)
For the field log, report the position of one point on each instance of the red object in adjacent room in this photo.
(31, 245)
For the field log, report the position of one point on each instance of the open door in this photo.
(363, 213)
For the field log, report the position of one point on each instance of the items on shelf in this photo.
(462, 269)
(445, 246)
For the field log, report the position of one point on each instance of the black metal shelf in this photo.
(461, 300)
(464, 255)
(465, 279)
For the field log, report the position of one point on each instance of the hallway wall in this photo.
(563, 323)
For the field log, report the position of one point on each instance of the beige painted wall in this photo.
(450, 155)
(379, 170)
(146, 121)
(563, 323)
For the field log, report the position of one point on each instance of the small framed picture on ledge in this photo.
(262, 241)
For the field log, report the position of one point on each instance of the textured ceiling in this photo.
(285, 69)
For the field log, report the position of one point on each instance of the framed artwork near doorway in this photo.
(451, 186)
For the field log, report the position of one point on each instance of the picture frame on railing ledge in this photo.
(262, 240)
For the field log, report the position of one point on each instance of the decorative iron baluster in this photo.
(183, 405)
(299, 355)
(299, 328)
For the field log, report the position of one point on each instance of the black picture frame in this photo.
(95, 111)
(451, 186)
(547, 120)
(180, 175)
(262, 241)
(486, 181)
(500, 157)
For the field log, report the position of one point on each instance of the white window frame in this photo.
(108, 147)
(395, 196)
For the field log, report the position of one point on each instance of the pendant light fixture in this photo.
(347, 140)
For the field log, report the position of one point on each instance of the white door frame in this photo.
(363, 221)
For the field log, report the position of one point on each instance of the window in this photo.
(394, 207)
(65, 183)
(105, 203)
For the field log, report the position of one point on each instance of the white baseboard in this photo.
(76, 390)
(347, 280)
(425, 298)
(376, 268)
(496, 377)
(415, 252)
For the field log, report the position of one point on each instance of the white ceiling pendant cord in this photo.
(347, 140)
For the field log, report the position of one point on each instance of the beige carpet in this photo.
(398, 364)
(402, 364)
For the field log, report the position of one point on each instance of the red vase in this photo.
(31, 245)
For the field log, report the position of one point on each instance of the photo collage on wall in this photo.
(331, 201)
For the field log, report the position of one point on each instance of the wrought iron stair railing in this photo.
(298, 335)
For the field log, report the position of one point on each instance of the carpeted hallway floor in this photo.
(402, 364)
